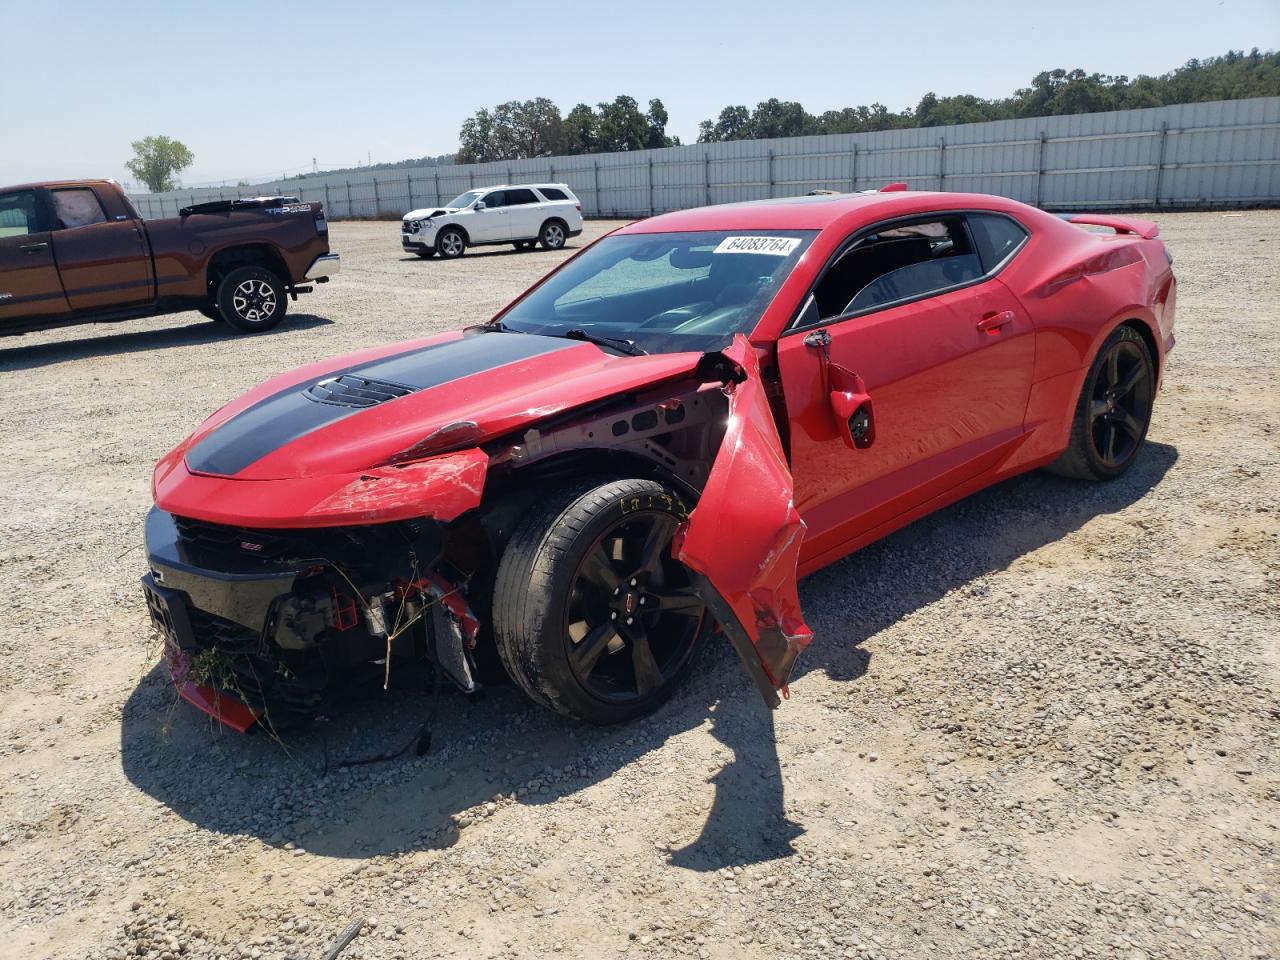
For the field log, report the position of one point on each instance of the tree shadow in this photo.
(501, 749)
(30, 356)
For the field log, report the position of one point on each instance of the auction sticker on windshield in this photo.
(774, 246)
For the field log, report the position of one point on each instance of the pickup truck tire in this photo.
(451, 243)
(252, 299)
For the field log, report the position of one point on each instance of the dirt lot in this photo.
(1042, 723)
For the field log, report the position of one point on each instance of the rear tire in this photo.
(553, 235)
(1113, 411)
(450, 243)
(252, 299)
(592, 615)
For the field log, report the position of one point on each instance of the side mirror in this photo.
(854, 418)
(480, 204)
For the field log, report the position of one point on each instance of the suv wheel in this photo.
(426, 253)
(553, 235)
(450, 243)
(252, 299)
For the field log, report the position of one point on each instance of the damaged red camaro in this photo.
(650, 444)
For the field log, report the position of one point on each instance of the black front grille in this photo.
(350, 390)
(214, 632)
(262, 544)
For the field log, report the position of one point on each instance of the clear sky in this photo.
(260, 88)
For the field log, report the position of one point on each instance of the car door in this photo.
(916, 384)
(29, 284)
(103, 262)
(525, 213)
(492, 224)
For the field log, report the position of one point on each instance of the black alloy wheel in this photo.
(593, 616)
(632, 620)
(1113, 412)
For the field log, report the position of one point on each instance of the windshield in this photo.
(667, 292)
(464, 200)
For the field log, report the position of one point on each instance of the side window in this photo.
(519, 196)
(77, 208)
(900, 262)
(998, 238)
(18, 214)
(496, 199)
(551, 193)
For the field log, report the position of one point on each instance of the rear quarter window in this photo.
(551, 193)
(997, 238)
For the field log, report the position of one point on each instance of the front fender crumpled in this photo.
(743, 538)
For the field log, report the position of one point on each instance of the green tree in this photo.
(734, 123)
(581, 130)
(622, 125)
(157, 161)
(511, 131)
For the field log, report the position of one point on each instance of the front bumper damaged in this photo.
(285, 589)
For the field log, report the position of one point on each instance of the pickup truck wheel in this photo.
(252, 299)
(593, 616)
(553, 235)
(450, 244)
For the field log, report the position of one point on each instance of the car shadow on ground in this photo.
(502, 748)
(487, 251)
(17, 355)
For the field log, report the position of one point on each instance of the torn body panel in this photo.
(743, 538)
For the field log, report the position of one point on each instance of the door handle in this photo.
(34, 247)
(992, 322)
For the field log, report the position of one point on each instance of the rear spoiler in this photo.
(1146, 229)
(226, 206)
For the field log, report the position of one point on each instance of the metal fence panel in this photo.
(1203, 154)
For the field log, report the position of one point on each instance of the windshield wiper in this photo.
(626, 346)
(501, 327)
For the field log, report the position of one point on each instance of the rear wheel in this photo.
(1113, 412)
(553, 235)
(450, 243)
(252, 299)
(592, 615)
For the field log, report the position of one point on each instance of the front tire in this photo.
(1113, 411)
(252, 299)
(450, 243)
(553, 235)
(592, 615)
(426, 253)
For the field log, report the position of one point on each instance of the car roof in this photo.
(818, 212)
(58, 184)
(508, 186)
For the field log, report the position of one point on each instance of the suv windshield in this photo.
(667, 292)
(464, 200)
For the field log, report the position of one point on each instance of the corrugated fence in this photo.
(1225, 153)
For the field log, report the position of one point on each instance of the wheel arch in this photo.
(554, 219)
(246, 255)
(466, 236)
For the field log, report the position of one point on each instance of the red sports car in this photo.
(650, 444)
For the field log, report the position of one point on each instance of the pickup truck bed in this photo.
(78, 252)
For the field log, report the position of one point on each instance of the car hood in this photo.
(427, 212)
(408, 402)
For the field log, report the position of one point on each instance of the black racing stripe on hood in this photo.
(286, 416)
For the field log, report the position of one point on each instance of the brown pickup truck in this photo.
(77, 252)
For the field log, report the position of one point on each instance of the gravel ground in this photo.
(1041, 723)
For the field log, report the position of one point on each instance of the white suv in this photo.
(520, 215)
